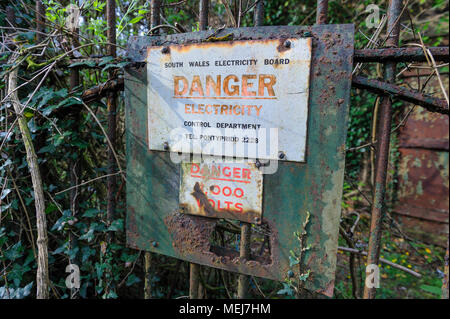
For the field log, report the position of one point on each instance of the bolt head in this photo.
(287, 44)
(155, 244)
(281, 155)
(165, 50)
(166, 146)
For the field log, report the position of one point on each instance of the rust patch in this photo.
(191, 236)
(203, 200)
(165, 50)
(132, 229)
(284, 45)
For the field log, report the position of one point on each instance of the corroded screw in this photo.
(165, 50)
(281, 155)
(287, 44)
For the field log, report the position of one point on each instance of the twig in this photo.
(106, 136)
(229, 12)
(395, 22)
(402, 122)
(352, 263)
(26, 213)
(351, 149)
(131, 270)
(384, 261)
(87, 182)
(250, 7)
(174, 4)
(257, 287)
(161, 26)
(373, 40)
(436, 71)
(222, 272)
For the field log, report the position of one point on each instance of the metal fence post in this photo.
(259, 13)
(155, 12)
(194, 273)
(40, 21)
(322, 12)
(382, 147)
(74, 163)
(246, 228)
(194, 280)
(204, 13)
(244, 250)
(111, 109)
(147, 277)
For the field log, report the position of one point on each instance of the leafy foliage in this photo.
(66, 135)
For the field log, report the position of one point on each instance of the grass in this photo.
(428, 260)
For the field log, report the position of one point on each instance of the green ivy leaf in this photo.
(304, 276)
(287, 290)
(131, 280)
(51, 208)
(116, 225)
(91, 212)
(105, 60)
(115, 65)
(88, 63)
(15, 252)
(432, 289)
(293, 261)
(47, 149)
(89, 235)
(136, 19)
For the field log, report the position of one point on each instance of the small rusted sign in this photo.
(222, 190)
(230, 99)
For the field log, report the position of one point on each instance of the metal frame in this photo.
(389, 56)
(306, 188)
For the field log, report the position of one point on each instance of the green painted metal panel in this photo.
(153, 180)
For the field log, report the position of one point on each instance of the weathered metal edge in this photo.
(136, 44)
